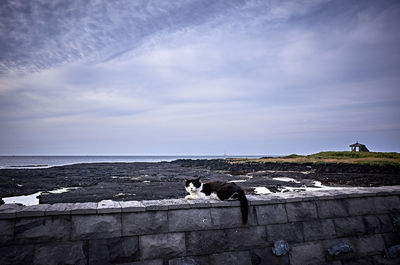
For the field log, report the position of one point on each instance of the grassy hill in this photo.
(377, 158)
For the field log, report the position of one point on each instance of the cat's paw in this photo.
(188, 197)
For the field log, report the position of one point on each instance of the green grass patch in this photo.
(372, 158)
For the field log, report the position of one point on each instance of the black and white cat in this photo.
(217, 190)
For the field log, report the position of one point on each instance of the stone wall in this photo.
(205, 232)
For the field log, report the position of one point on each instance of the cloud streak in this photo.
(205, 77)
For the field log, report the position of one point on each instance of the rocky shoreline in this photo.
(164, 180)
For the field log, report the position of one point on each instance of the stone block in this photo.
(174, 204)
(290, 232)
(162, 245)
(6, 231)
(301, 211)
(132, 206)
(307, 253)
(231, 258)
(113, 250)
(379, 259)
(331, 209)
(271, 214)
(227, 203)
(319, 229)
(108, 206)
(387, 204)
(199, 203)
(96, 226)
(155, 205)
(42, 229)
(84, 208)
(8, 211)
(146, 262)
(247, 238)
(189, 220)
(124, 249)
(265, 256)
(189, 261)
(59, 209)
(229, 217)
(359, 261)
(60, 253)
(361, 206)
(349, 226)
(33, 210)
(142, 223)
(206, 242)
(370, 245)
(13, 255)
(98, 252)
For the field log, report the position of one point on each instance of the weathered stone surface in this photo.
(370, 245)
(98, 252)
(320, 229)
(174, 204)
(6, 231)
(229, 217)
(189, 261)
(162, 245)
(199, 203)
(123, 249)
(42, 229)
(146, 262)
(59, 209)
(84, 208)
(387, 204)
(144, 223)
(247, 238)
(359, 261)
(16, 255)
(206, 242)
(189, 220)
(290, 232)
(155, 205)
(108, 206)
(60, 253)
(307, 253)
(113, 250)
(96, 226)
(271, 214)
(33, 210)
(361, 206)
(379, 259)
(349, 226)
(132, 206)
(301, 211)
(231, 258)
(331, 209)
(8, 211)
(265, 256)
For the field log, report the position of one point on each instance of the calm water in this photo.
(49, 161)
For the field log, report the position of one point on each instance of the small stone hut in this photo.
(357, 147)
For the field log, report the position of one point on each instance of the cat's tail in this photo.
(244, 206)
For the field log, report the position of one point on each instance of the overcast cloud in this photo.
(198, 77)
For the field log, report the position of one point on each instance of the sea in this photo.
(32, 162)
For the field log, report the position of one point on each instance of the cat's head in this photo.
(193, 185)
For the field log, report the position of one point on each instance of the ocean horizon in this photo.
(45, 161)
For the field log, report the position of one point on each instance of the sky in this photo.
(198, 77)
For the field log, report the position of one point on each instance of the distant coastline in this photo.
(35, 162)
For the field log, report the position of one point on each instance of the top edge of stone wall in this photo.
(10, 211)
